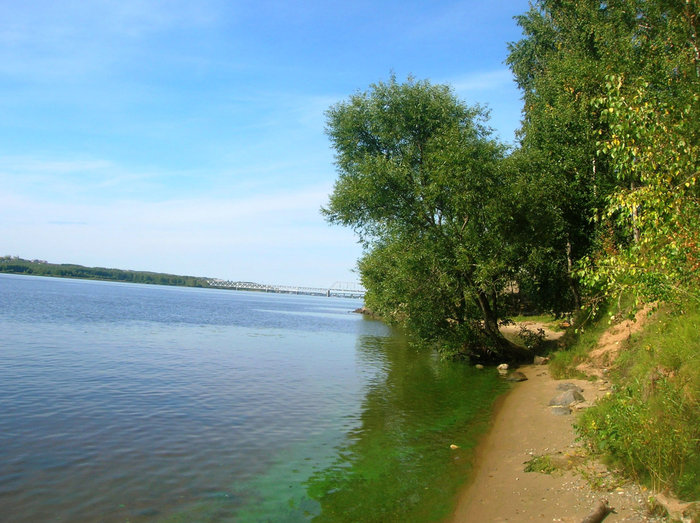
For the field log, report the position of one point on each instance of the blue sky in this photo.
(188, 137)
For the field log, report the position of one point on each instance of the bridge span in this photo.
(338, 289)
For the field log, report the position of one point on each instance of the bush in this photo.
(651, 424)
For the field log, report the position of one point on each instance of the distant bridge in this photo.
(339, 288)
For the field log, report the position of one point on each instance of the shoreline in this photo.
(523, 427)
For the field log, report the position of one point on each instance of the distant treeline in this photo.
(15, 265)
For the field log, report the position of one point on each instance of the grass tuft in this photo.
(541, 464)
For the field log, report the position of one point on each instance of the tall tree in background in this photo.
(422, 183)
(557, 66)
(602, 147)
(653, 143)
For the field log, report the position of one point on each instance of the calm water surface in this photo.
(123, 402)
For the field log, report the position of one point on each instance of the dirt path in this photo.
(514, 328)
(524, 427)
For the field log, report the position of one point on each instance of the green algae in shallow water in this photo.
(398, 465)
(395, 464)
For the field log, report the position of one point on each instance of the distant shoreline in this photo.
(15, 265)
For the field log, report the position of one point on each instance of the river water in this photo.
(124, 402)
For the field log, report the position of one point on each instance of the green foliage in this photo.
(590, 323)
(656, 441)
(532, 340)
(11, 264)
(540, 233)
(559, 65)
(654, 148)
(651, 424)
(611, 124)
(602, 191)
(425, 187)
(611, 115)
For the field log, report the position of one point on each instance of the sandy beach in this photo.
(524, 427)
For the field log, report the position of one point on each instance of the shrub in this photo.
(651, 424)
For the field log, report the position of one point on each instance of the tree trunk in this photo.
(490, 318)
(569, 271)
(502, 348)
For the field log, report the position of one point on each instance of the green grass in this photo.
(549, 320)
(578, 342)
(541, 464)
(540, 318)
(651, 425)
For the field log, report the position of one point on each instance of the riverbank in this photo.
(524, 427)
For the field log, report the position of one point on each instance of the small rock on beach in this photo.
(567, 398)
(516, 376)
(560, 410)
(569, 386)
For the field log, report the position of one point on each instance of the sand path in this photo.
(524, 427)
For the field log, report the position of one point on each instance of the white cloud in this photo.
(277, 238)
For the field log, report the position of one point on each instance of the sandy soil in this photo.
(534, 326)
(523, 427)
(612, 342)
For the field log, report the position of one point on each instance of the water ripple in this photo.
(130, 402)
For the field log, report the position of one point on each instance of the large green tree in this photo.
(423, 184)
(592, 145)
(557, 66)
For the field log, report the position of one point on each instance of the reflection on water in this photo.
(398, 464)
(145, 403)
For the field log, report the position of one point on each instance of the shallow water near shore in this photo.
(148, 403)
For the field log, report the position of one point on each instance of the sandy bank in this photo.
(523, 427)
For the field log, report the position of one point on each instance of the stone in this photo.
(540, 360)
(569, 386)
(454, 447)
(516, 376)
(478, 366)
(566, 398)
(503, 369)
(678, 510)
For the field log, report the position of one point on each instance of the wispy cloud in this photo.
(24, 165)
(75, 180)
(74, 41)
(483, 81)
(276, 233)
(168, 134)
